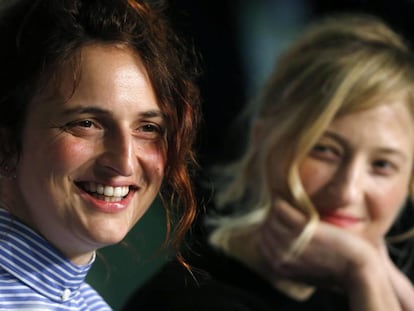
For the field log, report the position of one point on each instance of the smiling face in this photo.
(92, 162)
(358, 173)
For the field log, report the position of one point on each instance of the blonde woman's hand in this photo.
(333, 258)
(328, 258)
(402, 285)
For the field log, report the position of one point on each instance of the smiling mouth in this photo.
(104, 192)
(340, 220)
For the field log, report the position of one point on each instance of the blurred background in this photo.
(239, 42)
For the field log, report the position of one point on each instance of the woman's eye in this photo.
(320, 148)
(84, 123)
(384, 167)
(85, 127)
(325, 152)
(151, 129)
(80, 123)
(323, 149)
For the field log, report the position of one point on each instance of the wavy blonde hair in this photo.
(340, 65)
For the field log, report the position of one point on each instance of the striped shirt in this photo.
(35, 276)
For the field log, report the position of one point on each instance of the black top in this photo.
(220, 283)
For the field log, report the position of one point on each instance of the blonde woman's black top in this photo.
(220, 283)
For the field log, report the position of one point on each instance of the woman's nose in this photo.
(348, 185)
(118, 155)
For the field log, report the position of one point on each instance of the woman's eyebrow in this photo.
(84, 110)
(335, 137)
(154, 113)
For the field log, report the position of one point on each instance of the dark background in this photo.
(239, 40)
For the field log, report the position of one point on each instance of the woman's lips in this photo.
(106, 198)
(340, 220)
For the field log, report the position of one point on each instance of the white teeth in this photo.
(100, 189)
(107, 191)
(117, 192)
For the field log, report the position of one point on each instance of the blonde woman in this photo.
(327, 171)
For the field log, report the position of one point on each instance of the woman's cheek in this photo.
(385, 207)
(71, 154)
(314, 175)
(153, 154)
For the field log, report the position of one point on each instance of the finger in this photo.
(276, 244)
(273, 255)
(288, 216)
(275, 231)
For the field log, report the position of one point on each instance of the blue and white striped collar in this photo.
(31, 259)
